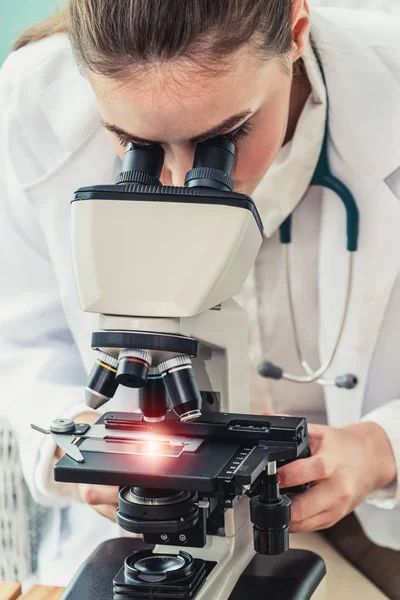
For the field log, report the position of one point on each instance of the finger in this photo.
(322, 520)
(99, 494)
(306, 470)
(316, 435)
(318, 499)
(107, 510)
(317, 431)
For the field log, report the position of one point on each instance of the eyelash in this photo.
(233, 136)
(239, 133)
(125, 140)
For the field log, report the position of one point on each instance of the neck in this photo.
(300, 91)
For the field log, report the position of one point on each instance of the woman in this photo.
(166, 72)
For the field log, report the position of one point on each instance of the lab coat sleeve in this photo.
(388, 417)
(41, 372)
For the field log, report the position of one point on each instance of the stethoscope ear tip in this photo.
(348, 381)
(269, 370)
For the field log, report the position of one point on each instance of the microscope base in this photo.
(294, 575)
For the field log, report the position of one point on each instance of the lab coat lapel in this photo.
(364, 149)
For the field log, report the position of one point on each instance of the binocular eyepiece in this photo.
(212, 165)
(171, 384)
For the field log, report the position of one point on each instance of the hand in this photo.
(102, 498)
(346, 465)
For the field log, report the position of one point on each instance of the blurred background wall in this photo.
(17, 15)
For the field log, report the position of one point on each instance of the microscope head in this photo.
(143, 249)
(148, 256)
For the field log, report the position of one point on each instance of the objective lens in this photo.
(133, 367)
(102, 384)
(183, 392)
(142, 164)
(153, 399)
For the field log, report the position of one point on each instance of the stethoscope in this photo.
(322, 177)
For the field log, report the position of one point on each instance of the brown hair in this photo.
(112, 37)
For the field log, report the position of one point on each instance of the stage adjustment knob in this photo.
(270, 514)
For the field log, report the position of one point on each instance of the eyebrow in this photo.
(220, 129)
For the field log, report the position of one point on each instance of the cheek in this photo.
(118, 147)
(257, 152)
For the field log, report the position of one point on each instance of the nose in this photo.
(177, 162)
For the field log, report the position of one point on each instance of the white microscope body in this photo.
(173, 269)
(160, 266)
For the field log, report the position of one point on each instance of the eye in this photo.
(239, 133)
(124, 140)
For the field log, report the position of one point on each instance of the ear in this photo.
(300, 27)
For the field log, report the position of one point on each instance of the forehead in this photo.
(173, 102)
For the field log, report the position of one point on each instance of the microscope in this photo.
(197, 473)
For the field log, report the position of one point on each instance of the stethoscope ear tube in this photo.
(348, 381)
(270, 371)
(322, 177)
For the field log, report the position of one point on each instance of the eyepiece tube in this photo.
(218, 153)
(213, 165)
(142, 164)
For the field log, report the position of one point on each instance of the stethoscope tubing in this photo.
(324, 178)
(311, 374)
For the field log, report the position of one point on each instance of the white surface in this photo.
(389, 6)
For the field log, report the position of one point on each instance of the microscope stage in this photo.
(216, 454)
(190, 471)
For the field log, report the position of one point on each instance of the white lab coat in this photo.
(51, 142)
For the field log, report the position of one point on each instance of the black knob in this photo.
(270, 514)
(271, 542)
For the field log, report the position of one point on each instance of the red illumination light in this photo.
(153, 448)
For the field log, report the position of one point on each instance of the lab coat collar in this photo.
(364, 110)
(81, 115)
(364, 148)
(278, 195)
